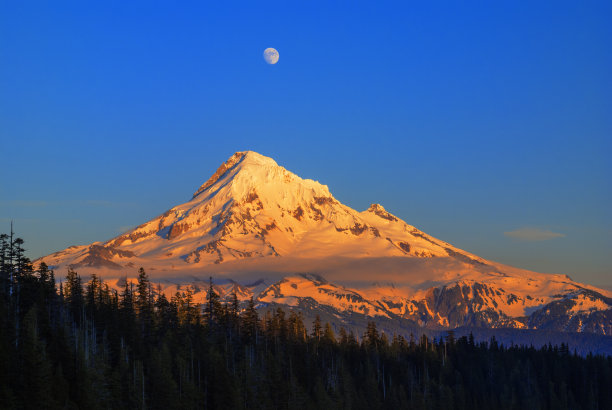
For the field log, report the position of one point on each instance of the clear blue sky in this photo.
(468, 120)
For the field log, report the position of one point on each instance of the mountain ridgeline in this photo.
(266, 233)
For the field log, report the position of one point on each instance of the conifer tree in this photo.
(127, 317)
(383, 340)
(127, 300)
(213, 307)
(22, 263)
(297, 330)
(250, 322)
(234, 304)
(142, 297)
(371, 337)
(92, 291)
(328, 334)
(343, 336)
(316, 328)
(4, 264)
(73, 295)
(143, 303)
(352, 340)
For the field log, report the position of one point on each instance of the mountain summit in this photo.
(253, 219)
(252, 207)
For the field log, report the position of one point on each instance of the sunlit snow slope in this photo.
(255, 220)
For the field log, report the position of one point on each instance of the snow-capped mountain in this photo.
(265, 232)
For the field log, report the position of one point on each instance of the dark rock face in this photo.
(380, 211)
(226, 166)
(211, 247)
(322, 200)
(98, 255)
(558, 315)
(474, 305)
(177, 229)
(317, 214)
(461, 305)
(462, 257)
(405, 246)
(358, 229)
(298, 213)
(134, 236)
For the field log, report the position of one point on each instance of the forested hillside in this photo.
(80, 344)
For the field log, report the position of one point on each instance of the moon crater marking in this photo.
(270, 55)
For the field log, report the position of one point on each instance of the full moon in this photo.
(270, 55)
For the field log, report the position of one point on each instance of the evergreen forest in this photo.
(80, 344)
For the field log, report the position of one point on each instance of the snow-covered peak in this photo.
(241, 159)
(248, 171)
(255, 158)
(227, 165)
(254, 217)
(252, 207)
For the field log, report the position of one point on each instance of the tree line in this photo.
(83, 345)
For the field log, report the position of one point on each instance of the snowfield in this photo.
(266, 233)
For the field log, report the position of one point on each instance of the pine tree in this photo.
(46, 278)
(235, 305)
(328, 334)
(73, 295)
(250, 322)
(143, 304)
(143, 299)
(316, 328)
(127, 317)
(166, 318)
(352, 340)
(384, 340)
(5, 266)
(92, 290)
(343, 336)
(297, 330)
(22, 263)
(371, 338)
(213, 307)
(127, 299)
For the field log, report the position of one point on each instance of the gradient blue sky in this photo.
(467, 120)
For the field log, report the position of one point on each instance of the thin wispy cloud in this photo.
(529, 234)
(104, 204)
(78, 202)
(25, 204)
(123, 229)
